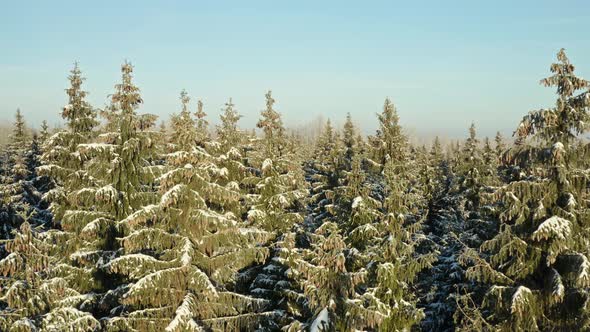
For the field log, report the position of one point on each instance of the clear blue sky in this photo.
(444, 65)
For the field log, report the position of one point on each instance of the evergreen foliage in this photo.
(121, 226)
(534, 267)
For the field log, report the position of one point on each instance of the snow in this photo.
(267, 164)
(558, 146)
(91, 227)
(140, 216)
(187, 249)
(560, 290)
(520, 299)
(24, 324)
(283, 201)
(172, 195)
(553, 227)
(357, 200)
(255, 214)
(584, 276)
(233, 185)
(234, 153)
(322, 321)
(223, 172)
(571, 201)
(107, 193)
(97, 147)
(184, 314)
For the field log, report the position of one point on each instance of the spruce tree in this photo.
(270, 122)
(350, 142)
(182, 254)
(330, 289)
(34, 300)
(231, 150)
(281, 184)
(91, 215)
(326, 165)
(44, 132)
(61, 157)
(276, 205)
(21, 188)
(535, 269)
(390, 141)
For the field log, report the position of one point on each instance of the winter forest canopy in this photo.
(123, 222)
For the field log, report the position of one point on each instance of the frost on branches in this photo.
(542, 231)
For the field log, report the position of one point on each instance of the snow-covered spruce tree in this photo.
(427, 180)
(281, 185)
(476, 174)
(21, 188)
(359, 216)
(28, 291)
(202, 125)
(489, 175)
(535, 269)
(61, 158)
(229, 135)
(40, 184)
(16, 151)
(44, 132)
(500, 146)
(275, 138)
(200, 136)
(119, 181)
(468, 170)
(275, 206)
(384, 240)
(182, 254)
(230, 150)
(330, 289)
(437, 165)
(326, 166)
(351, 142)
(389, 140)
(396, 258)
(405, 207)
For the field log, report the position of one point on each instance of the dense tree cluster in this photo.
(114, 224)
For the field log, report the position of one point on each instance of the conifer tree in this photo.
(535, 269)
(350, 142)
(437, 163)
(92, 217)
(232, 148)
(327, 163)
(490, 164)
(272, 125)
(397, 260)
(21, 190)
(500, 146)
(276, 205)
(182, 254)
(331, 290)
(360, 216)
(469, 170)
(281, 184)
(390, 141)
(202, 125)
(61, 156)
(44, 132)
(28, 291)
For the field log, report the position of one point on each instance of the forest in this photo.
(120, 221)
